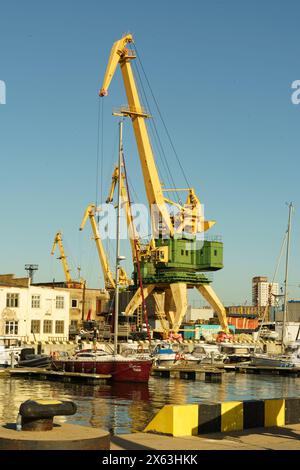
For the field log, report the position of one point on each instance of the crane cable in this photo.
(157, 138)
(162, 119)
(140, 280)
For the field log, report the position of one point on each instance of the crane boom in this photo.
(192, 210)
(119, 54)
(108, 277)
(63, 258)
(109, 280)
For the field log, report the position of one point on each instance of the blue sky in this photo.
(222, 74)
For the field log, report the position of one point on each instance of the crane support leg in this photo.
(176, 304)
(137, 299)
(211, 297)
(169, 306)
(159, 299)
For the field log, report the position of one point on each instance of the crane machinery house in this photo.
(32, 313)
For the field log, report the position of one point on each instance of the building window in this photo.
(182, 252)
(215, 252)
(74, 323)
(59, 326)
(12, 300)
(35, 326)
(186, 253)
(47, 326)
(36, 301)
(74, 303)
(59, 301)
(11, 327)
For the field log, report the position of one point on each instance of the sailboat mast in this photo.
(286, 273)
(118, 259)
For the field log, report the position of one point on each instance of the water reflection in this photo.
(124, 408)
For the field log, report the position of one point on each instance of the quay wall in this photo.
(207, 417)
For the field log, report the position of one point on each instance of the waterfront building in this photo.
(33, 313)
(85, 304)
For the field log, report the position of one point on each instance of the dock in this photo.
(44, 374)
(205, 374)
(214, 372)
(268, 370)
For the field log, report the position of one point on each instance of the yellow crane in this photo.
(176, 267)
(142, 251)
(69, 281)
(109, 280)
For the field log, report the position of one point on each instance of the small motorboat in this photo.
(237, 352)
(28, 358)
(164, 354)
(289, 358)
(209, 354)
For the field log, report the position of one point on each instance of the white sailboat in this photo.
(290, 355)
(131, 368)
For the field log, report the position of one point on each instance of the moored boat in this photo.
(237, 352)
(290, 358)
(207, 353)
(120, 368)
(28, 358)
(9, 355)
(164, 354)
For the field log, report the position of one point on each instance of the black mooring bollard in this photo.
(35, 429)
(37, 415)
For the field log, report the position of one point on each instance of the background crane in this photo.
(109, 280)
(68, 279)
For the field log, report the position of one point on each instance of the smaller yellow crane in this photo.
(109, 280)
(138, 251)
(69, 281)
(134, 242)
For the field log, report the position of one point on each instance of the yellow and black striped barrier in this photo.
(204, 418)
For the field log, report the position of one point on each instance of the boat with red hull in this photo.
(121, 369)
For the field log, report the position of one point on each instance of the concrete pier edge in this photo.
(62, 437)
(207, 417)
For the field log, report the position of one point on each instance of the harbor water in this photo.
(128, 407)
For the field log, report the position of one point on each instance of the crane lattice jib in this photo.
(58, 241)
(155, 193)
(109, 280)
(121, 55)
